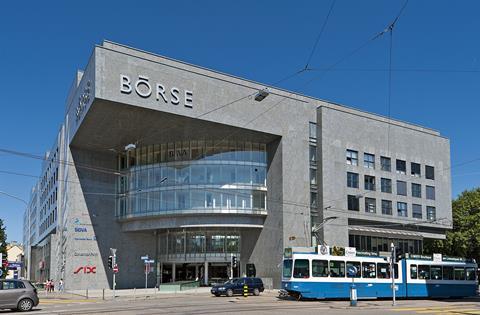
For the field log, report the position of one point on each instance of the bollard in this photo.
(134, 293)
(103, 294)
(353, 295)
(86, 294)
(245, 290)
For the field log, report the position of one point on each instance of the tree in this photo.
(3, 246)
(464, 239)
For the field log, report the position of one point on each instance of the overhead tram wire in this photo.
(319, 36)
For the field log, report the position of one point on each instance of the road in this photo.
(264, 304)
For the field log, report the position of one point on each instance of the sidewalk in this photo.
(107, 294)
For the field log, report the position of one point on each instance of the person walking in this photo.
(61, 286)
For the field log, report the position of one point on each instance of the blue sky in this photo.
(44, 42)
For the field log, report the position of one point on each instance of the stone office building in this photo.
(191, 167)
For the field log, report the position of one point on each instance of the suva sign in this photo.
(144, 88)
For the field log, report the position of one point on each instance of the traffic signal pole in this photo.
(114, 262)
(231, 266)
(392, 273)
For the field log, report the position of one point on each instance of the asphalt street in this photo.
(265, 304)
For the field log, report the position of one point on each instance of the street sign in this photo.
(144, 257)
(115, 268)
(352, 271)
(149, 261)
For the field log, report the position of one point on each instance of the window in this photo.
(383, 271)
(352, 157)
(287, 268)
(9, 285)
(415, 169)
(416, 211)
(429, 172)
(430, 192)
(386, 185)
(370, 205)
(337, 269)
(401, 167)
(313, 176)
(313, 199)
(424, 272)
(431, 213)
(352, 180)
(447, 273)
(436, 272)
(319, 268)
(313, 131)
(369, 182)
(355, 264)
(416, 190)
(368, 270)
(386, 207)
(470, 273)
(459, 273)
(413, 271)
(353, 203)
(368, 160)
(386, 164)
(402, 209)
(401, 188)
(301, 268)
(313, 154)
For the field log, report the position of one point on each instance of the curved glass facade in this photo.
(191, 177)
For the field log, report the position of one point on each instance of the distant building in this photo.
(15, 258)
(191, 167)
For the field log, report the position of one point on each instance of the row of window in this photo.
(427, 272)
(353, 204)
(382, 244)
(386, 164)
(370, 183)
(51, 218)
(199, 242)
(337, 269)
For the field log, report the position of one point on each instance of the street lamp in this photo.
(14, 197)
(317, 227)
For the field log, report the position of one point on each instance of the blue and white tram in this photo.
(316, 276)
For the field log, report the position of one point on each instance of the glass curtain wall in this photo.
(192, 176)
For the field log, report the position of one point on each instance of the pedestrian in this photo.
(61, 286)
(52, 285)
(47, 285)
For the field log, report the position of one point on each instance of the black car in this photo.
(235, 286)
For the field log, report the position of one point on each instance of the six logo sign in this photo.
(85, 270)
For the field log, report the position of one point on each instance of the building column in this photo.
(205, 268)
(173, 272)
(196, 272)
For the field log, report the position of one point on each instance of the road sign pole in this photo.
(114, 263)
(147, 265)
(231, 266)
(392, 273)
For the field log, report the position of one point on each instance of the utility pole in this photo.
(114, 263)
(392, 272)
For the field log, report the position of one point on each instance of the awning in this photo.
(394, 233)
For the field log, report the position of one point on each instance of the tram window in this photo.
(447, 273)
(301, 268)
(337, 269)
(396, 270)
(287, 268)
(355, 264)
(459, 273)
(368, 270)
(413, 271)
(470, 273)
(424, 272)
(436, 272)
(319, 268)
(383, 271)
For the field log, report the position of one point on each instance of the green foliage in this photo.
(3, 245)
(464, 239)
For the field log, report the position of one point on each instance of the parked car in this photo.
(18, 295)
(235, 286)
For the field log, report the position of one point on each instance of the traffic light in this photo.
(234, 261)
(4, 261)
(110, 262)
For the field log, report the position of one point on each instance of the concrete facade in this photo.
(129, 97)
